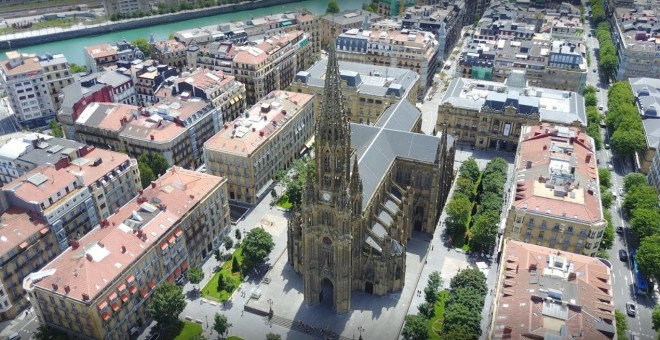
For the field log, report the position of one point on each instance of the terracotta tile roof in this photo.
(91, 173)
(257, 54)
(29, 64)
(206, 79)
(530, 305)
(100, 51)
(41, 183)
(172, 44)
(245, 135)
(16, 227)
(107, 116)
(99, 259)
(557, 173)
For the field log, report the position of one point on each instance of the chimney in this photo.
(89, 257)
(123, 249)
(141, 191)
(153, 184)
(151, 136)
(74, 244)
(67, 289)
(101, 244)
(54, 286)
(261, 133)
(254, 129)
(85, 297)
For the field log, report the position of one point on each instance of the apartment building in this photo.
(98, 57)
(150, 79)
(251, 149)
(176, 127)
(344, 21)
(444, 20)
(125, 7)
(647, 100)
(555, 201)
(32, 84)
(101, 87)
(311, 25)
(168, 52)
(368, 90)
(474, 9)
(387, 46)
(546, 292)
(394, 8)
(564, 23)
(99, 288)
(27, 245)
(222, 90)
(635, 34)
(491, 115)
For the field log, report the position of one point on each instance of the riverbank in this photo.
(29, 38)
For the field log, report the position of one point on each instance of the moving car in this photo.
(610, 167)
(619, 230)
(607, 146)
(631, 309)
(600, 107)
(623, 255)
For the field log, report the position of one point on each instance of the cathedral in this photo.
(373, 185)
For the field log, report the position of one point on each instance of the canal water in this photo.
(73, 48)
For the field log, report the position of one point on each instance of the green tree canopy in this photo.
(55, 129)
(643, 196)
(628, 142)
(655, 317)
(221, 324)
(144, 46)
(465, 186)
(484, 230)
(227, 242)
(166, 304)
(589, 89)
(590, 99)
(606, 198)
(470, 170)
(458, 210)
(257, 246)
(632, 180)
(333, 7)
(158, 164)
(195, 275)
(494, 183)
(621, 322)
(470, 278)
(47, 333)
(238, 234)
(648, 256)
(273, 336)
(460, 318)
(498, 164)
(605, 177)
(146, 174)
(432, 288)
(416, 328)
(608, 237)
(645, 222)
(490, 201)
(75, 68)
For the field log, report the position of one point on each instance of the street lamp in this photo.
(361, 330)
(207, 321)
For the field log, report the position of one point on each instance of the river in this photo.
(73, 48)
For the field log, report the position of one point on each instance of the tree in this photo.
(333, 7)
(632, 180)
(55, 128)
(195, 275)
(273, 336)
(621, 324)
(655, 317)
(460, 318)
(465, 186)
(648, 256)
(470, 170)
(458, 212)
(75, 68)
(257, 246)
(238, 235)
(221, 324)
(589, 89)
(158, 164)
(484, 230)
(608, 237)
(426, 309)
(432, 288)
(645, 222)
(590, 99)
(228, 242)
(146, 174)
(628, 142)
(143, 45)
(235, 266)
(166, 304)
(416, 328)
(605, 177)
(47, 333)
(493, 182)
(606, 197)
(470, 278)
(643, 196)
(490, 201)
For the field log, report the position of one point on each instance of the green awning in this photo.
(286, 23)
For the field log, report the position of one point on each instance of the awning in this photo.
(178, 232)
(112, 296)
(23, 245)
(121, 288)
(106, 316)
(170, 278)
(44, 231)
(264, 188)
(133, 289)
(171, 239)
(103, 305)
(143, 292)
(177, 272)
(130, 279)
(124, 298)
(286, 23)
(231, 101)
(115, 306)
(152, 285)
(184, 265)
(163, 246)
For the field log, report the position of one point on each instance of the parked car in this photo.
(631, 309)
(610, 167)
(619, 230)
(600, 107)
(607, 146)
(623, 255)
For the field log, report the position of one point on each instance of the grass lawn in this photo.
(283, 202)
(232, 280)
(435, 324)
(234, 338)
(184, 330)
(68, 22)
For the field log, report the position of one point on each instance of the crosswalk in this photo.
(317, 332)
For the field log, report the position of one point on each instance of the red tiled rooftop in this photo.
(259, 53)
(206, 79)
(55, 181)
(29, 64)
(519, 311)
(178, 190)
(90, 172)
(541, 147)
(100, 51)
(16, 227)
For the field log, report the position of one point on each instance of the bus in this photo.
(641, 281)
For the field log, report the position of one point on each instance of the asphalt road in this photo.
(622, 276)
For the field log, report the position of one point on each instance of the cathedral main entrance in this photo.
(369, 287)
(326, 296)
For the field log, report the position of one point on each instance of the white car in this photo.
(610, 167)
(600, 107)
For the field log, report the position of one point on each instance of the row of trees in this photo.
(624, 119)
(459, 209)
(416, 326)
(597, 11)
(467, 292)
(302, 167)
(605, 177)
(607, 56)
(593, 116)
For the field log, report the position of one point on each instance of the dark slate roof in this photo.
(46, 153)
(401, 116)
